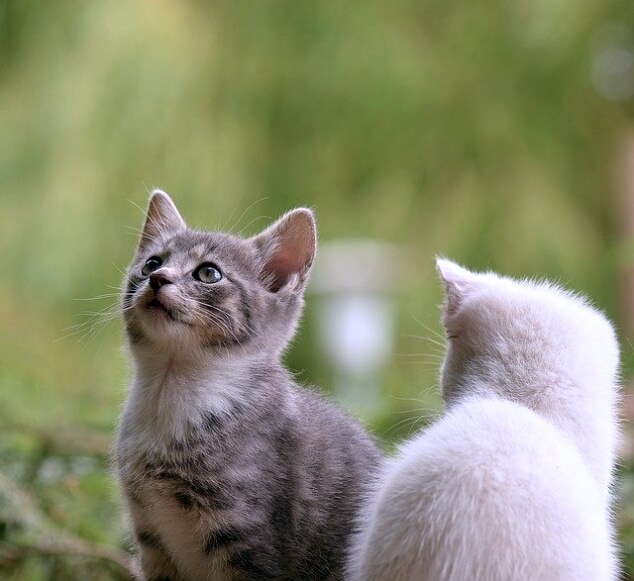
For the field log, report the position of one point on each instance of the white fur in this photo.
(171, 390)
(513, 481)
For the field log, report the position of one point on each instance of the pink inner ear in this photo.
(288, 247)
(280, 267)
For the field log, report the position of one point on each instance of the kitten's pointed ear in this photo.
(288, 248)
(457, 282)
(162, 219)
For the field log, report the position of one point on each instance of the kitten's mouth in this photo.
(157, 306)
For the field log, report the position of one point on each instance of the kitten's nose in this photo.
(157, 280)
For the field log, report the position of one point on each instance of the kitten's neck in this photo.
(581, 408)
(174, 394)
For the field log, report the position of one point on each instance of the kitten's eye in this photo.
(151, 265)
(207, 273)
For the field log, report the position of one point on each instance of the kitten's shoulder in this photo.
(482, 433)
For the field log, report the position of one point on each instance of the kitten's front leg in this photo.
(155, 562)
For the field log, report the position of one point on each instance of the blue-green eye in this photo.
(151, 265)
(207, 273)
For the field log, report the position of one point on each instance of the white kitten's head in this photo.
(531, 342)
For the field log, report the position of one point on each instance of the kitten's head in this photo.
(520, 338)
(191, 290)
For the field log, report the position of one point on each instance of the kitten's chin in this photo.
(160, 324)
(167, 327)
(165, 330)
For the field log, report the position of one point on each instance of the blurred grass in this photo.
(469, 130)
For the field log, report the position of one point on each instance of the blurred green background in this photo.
(495, 133)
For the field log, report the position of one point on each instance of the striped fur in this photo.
(230, 470)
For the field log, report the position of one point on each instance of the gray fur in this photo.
(230, 470)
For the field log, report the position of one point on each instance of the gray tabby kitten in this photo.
(229, 469)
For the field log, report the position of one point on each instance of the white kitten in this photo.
(513, 481)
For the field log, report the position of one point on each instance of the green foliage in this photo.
(470, 130)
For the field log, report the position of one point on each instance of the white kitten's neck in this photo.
(581, 407)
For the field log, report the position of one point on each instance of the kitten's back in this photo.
(493, 492)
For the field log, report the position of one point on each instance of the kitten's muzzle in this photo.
(157, 280)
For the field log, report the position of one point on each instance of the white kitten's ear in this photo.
(457, 282)
(162, 219)
(288, 248)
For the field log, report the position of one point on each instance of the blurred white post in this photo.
(355, 282)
